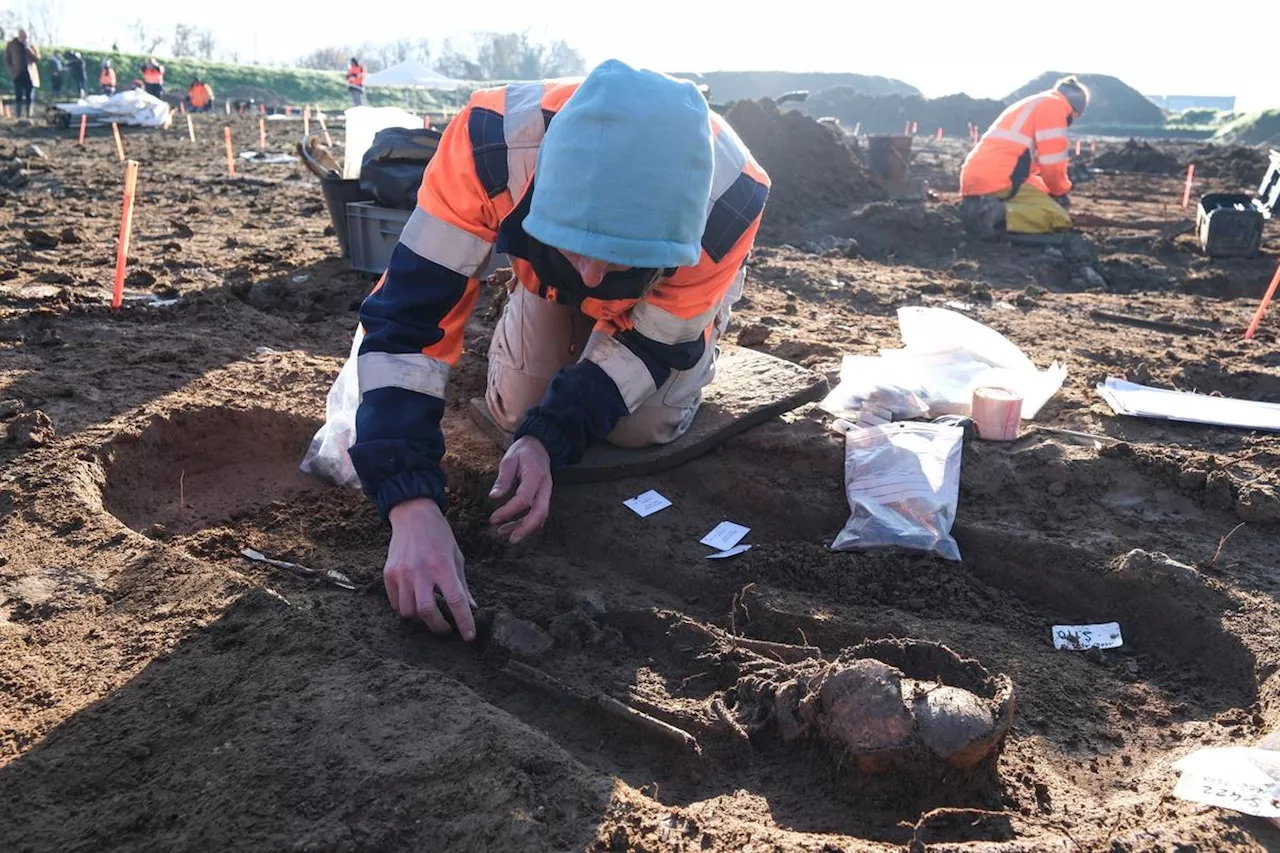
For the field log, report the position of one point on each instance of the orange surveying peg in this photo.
(126, 228)
(191, 129)
(1186, 189)
(939, 134)
(1077, 147)
(182, 107)
(915, 128)
(262, 109)
(84, 125)
(306, 120)
(231, 157)
(1262, 307)
(328, 140)
(115, 131)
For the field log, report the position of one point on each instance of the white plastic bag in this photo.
(903, 484)
(945, 356)
(328, 457)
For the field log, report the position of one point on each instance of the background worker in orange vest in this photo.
(153, 77)
(1015, 179)
(627, 209)
(201, 95)
(107, 78)
(355, 82)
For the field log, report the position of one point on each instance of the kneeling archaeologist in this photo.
(1015, 179)
(627, 209)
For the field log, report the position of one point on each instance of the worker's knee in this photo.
(650, 425)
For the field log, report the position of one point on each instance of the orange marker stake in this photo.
(191, 129)
(306, 120)
(115, 131)
(262, 134)
(1077, 147)
(906, 129)
(227, 104)
(84, 125)
(1186, 190)
(939, 134)
(126, 228)
(288, 111)
(328, 140)
(231, 157)
(915, 128)
(1262, 307)
(262, 109)
(1093, 146)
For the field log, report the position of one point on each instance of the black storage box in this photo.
(1230, 224)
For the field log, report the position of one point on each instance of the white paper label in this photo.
(731, 552)
(725, 535)
(1079, 637)
(647, 504)
(1255, 798)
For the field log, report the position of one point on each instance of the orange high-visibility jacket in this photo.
(153, 74)
(474, 197)
(201, 94)
(355, 76)
(107, 77)
(1026, 144)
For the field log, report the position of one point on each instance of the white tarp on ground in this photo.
(412, 74)
(134, 108)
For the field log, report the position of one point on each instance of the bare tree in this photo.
(146, 39)
(205, 44)
(331, 58)
(183, 43)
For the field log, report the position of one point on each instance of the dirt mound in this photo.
(1112, 101)
(735, 85)
(1139, 157)
(814, 173)
(1240, 163)
(888, 114)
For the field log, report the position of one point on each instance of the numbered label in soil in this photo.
(1080, 637)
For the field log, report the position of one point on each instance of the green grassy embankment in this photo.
(272, 86)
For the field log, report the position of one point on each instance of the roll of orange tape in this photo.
(997, 413)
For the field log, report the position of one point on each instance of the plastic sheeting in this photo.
(132, 108)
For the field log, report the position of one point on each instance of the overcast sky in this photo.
(983, 48)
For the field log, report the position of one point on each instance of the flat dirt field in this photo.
(160, 692)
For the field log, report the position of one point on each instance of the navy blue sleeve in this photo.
(399, 443)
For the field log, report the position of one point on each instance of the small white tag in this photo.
(725, 535)
(731, 552)
(647, 504)
(1255, 798)
(1080, 637)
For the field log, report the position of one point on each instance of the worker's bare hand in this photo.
(526, 466)
(424, 557)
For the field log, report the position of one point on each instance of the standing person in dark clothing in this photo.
(20, 57)
(55, 78)
(355, 82)
(75, 64)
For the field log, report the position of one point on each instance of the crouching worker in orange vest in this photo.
(627, 209)
(1015, 179)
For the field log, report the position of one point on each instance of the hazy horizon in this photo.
(938, 48)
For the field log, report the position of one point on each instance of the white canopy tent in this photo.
(413, 74)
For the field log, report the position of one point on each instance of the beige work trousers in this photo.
(536, 338)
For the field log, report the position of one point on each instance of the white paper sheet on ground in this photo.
(1143, 401)
(725, 535)
(729, 552)
(647, 504)
(945, 356)
(1078, 637)
(1243, 778)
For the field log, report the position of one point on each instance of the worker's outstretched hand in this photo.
(424, 557)
(526, 466)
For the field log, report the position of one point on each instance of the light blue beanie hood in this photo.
(624, 172)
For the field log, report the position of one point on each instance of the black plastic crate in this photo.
(1230, 224)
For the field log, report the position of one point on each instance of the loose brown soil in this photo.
(158, 691)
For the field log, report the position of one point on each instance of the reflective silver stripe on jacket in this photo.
(523, 128)
(624, 367)
(448, 245)
(413, 371)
